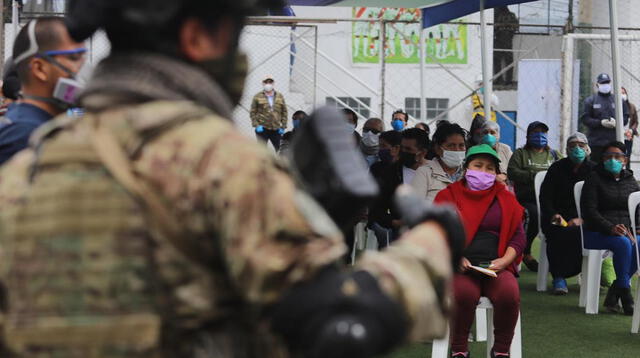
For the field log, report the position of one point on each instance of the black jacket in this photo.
(389, 177)
(556, 194)
(596, 108)
(604, 200)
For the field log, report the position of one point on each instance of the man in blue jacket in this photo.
(44, 54)
(600, 116)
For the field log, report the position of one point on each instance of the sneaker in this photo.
(499, 355)
(560, 287)
(530, 262)
(611, 301)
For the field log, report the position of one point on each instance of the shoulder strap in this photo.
(116, 160)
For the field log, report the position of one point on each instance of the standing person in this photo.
(44, 55)
(490, 135)
(370, 143)
(399, 120)
(525, 163)
(631, 129)
(492, 219)
(424, 127)
(296, 120)
(269, 113)
(560, 223)
(607, 224)
(599, 116)
(159, 230)
(503, 33)
(446, 167)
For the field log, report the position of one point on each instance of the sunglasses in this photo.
(374, 131)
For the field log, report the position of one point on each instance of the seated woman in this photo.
(560, 222)
(446, 167)
(607, 223)
(490, 134)
(492, 218)
(525, 163)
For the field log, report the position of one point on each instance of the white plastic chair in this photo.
(634, 200)
(440, 348)
(543, 266)
(591, 265)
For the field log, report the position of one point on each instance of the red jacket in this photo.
(473, 205)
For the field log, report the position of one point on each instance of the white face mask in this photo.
(624, 97)
(453, 159)
(268, 87)
(604, 88)
(370, 139)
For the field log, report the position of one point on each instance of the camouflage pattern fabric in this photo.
(89, 274)
(262, 114)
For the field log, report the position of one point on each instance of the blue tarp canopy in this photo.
(433, 11)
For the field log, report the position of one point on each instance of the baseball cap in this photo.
(268, 77)
(537, 124)
(603, 78)
(482, 149)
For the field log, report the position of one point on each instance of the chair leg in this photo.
(481, 324)
(584, 282)
(543, 267)
(635, 322)
(593, 287)
(490, 337)
(516, 343)
(440, 348)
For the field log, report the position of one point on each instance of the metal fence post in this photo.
(315, 69)
(383, 67)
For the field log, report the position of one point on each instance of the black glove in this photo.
(339, 315)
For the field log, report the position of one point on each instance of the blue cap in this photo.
(603, 78)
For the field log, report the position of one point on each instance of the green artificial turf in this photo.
(555, 327)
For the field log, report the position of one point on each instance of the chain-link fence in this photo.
(378, 60)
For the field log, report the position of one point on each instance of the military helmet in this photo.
(87, 16)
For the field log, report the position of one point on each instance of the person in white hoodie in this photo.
(449, 147)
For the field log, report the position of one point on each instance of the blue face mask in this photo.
(296, 123)
(490, 139)
(385, 155)
(613, 166)
(577, 155)
(538, 139)
(397, 124)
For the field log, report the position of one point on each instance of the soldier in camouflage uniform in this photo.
(152, 228)
(269, 113)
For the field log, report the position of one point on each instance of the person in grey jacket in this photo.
(606, 221)
(599, 116)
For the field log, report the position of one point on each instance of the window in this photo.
(352, 103)
(435, 106)
(545, 12)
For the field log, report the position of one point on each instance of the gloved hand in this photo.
(608, 123)
(259, 129)
(281, 131)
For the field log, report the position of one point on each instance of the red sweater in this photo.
(473, 206)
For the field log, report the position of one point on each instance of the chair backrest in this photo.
(537, 185)
(634, 200)
(577, 193)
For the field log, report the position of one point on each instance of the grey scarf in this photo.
(143, 77)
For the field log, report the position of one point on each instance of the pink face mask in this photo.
(477, 180)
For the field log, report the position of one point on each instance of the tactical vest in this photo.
(478, 108)
(97, 264)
